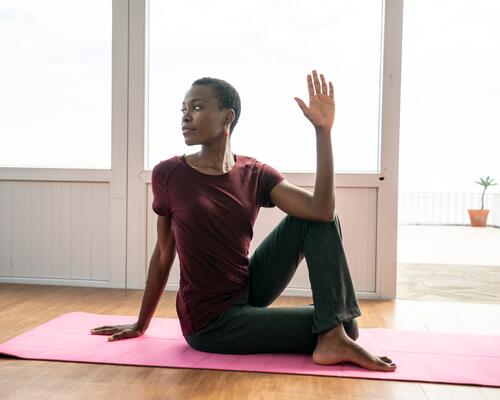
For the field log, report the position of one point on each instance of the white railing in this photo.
(444, 208)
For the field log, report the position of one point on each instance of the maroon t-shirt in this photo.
(212, 218)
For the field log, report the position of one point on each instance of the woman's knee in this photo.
(329, 229)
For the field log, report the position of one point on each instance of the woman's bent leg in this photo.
(275, 261)
(250, 327)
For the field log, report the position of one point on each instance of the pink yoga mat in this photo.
(421, 356)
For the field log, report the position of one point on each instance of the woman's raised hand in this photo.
(118, 332)
(321, 110)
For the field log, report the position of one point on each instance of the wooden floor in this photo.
(23, 307)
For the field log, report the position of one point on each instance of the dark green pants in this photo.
(250, 326)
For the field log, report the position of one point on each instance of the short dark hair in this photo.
(226, 94)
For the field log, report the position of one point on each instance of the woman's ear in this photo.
(231, 115)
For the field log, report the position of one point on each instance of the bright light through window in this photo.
(265, 49)
(55, 84)
(450, 95)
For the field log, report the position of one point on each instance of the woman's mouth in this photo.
(186, 131)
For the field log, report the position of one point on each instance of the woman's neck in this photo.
(215, 161)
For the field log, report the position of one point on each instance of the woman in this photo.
(207, 203)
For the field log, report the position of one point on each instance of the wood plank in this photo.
(451, 392)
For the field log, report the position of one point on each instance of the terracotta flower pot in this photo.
(478, 217)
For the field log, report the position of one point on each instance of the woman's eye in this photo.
(183, 110)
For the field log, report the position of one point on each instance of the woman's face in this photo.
(202, 120)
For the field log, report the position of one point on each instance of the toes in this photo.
(386, 363)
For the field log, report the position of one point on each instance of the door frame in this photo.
(385, 181)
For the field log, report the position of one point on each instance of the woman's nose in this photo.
(187, 111)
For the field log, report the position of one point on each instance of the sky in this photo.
(55, 79)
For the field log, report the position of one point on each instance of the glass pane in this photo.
(265, 49)
(450, 95)
(55, 84)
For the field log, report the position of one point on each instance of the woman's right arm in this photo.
(158, 272)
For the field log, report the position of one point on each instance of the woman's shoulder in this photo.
(177, 159)
(253, 162)
(243, 159)
(260, 168)
(164, 167)
(250, 163)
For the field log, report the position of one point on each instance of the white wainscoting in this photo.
(54, 231)
(59, 233)
(356, 208)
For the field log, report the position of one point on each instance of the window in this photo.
(265, 49)
(56, 84)
(450, 93)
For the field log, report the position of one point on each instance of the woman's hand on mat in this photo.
(118, 332)
(321, 110)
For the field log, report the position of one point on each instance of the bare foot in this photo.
(334, 347)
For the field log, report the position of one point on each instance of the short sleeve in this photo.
(161, 204)
(269, 178)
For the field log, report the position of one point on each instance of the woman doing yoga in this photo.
(207, 203)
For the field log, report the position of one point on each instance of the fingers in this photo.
(301, 104)
(102, 327)
(117, 332)
(310, 86)
(115, 337)
(324, 87)
(104, 330)
(122, 335)
(317, 85)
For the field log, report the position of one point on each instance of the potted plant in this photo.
(479, 217)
